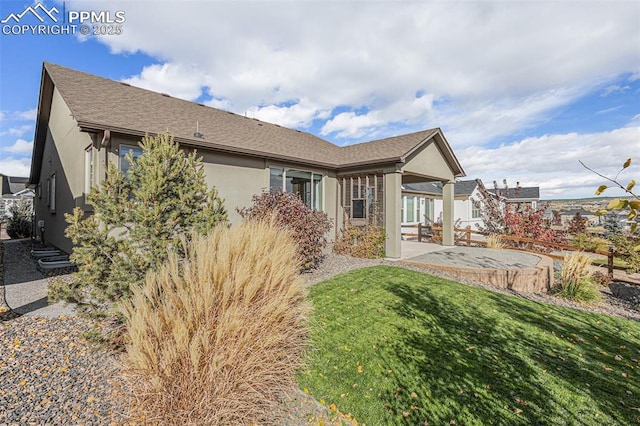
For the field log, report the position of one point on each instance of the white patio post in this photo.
(447, 213)
(392, 219)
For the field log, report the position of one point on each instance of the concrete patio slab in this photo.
(411, 249)
(509, 269)
(25, 286)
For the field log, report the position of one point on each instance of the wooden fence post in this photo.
(610, 262)
(419, 232)
(468, 236)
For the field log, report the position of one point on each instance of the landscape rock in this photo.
(628, 292)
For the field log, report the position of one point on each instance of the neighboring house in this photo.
(12, 191)
(527, 195)
(422, 203)
(86, 123)
(567, 216)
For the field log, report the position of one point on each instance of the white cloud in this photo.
(12, 166)
(614, 88)
(17, 130)
(495, 67)
(27, 115)
(299, 115)
(20, 147)
(411, 111)
(173, 79)
(552, 161)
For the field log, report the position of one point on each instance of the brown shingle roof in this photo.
(98, 103)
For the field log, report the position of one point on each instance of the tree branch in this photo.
(614, 181)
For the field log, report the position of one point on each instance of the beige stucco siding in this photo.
(237, 179)
(64, 157)
(429, 163)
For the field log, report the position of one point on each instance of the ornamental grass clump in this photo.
(576, 281)
(494, 241)
(216, 338)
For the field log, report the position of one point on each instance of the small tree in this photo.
(136, 219)
(577, 225)
(20, 221)
(617, 204)
(629, 250)
(308, 227)
(492, 207)
(612, 225)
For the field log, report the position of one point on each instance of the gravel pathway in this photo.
(50, 375)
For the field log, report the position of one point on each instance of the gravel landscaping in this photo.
(51, 375)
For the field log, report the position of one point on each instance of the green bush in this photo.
(308, 227)
(136, 219)
(628, 249)
(20, 220)
(575, 281)
(216, 338)
(589, 242)
(361, 241)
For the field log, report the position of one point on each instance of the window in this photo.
(275, 178)
(361, 196)
(475, 209)
(136, 151)
(88, 169)
(358, 209)
(410, 209)
(428, 214)
(51, 193)
(307, 185)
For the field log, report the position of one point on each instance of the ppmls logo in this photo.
(52, 22)
(34, 11)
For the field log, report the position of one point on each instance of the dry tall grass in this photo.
(494, 241)
(576, 282)
(216, 338)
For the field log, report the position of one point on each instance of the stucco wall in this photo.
(429, 163)
(64, 157)
(236, 179)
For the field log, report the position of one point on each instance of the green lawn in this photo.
(393, 346)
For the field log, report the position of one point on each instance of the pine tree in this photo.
(137, 219)
(612, 225)
(19, 222)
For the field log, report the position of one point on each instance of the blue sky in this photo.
(522, 90)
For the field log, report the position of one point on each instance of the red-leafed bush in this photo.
(578, 225)
(308, 227)
(528, 223)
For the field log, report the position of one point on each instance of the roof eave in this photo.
(192, 143)
(42, 123)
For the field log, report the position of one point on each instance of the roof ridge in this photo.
(99, 103)
(153, 92)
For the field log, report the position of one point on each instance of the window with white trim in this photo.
(475, 209)
(89, 169)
